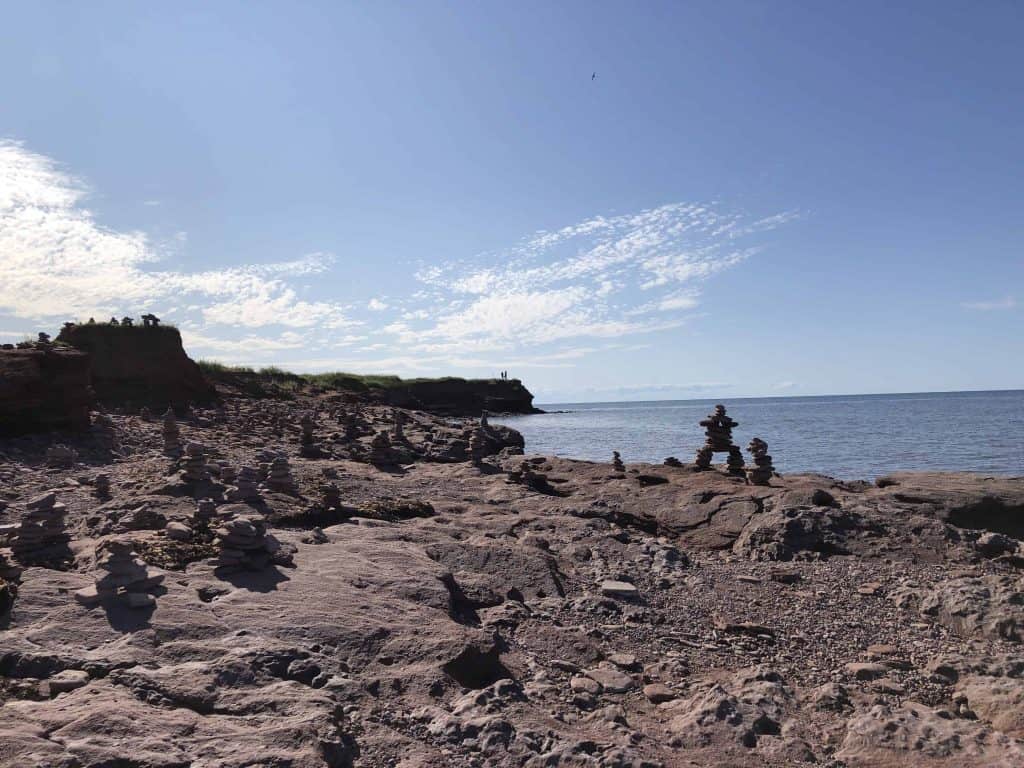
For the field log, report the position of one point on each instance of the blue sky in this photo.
(749, 199)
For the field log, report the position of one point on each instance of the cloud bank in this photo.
(548, 301)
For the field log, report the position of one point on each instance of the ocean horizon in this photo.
(845, 436)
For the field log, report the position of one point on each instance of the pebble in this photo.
(613, 588)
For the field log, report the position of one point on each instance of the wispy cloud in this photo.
(603, 277)
(59, 263)
(988, 306)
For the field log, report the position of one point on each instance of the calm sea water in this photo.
(849, 437)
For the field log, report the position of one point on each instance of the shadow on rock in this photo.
(253, 581)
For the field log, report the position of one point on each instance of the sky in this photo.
(608, 200)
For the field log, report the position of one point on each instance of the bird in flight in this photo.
(593, 76)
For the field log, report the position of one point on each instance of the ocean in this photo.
(844, 436)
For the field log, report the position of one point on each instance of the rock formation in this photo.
(381, 451)
(718, 431)
(43, 389)
(142, 364)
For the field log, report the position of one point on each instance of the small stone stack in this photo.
(279, 476)
(60, 457)
(41, 529)
(104, 430)
(307, 443)
(398, 435)
(206, 510)
(124, 578)
(350, 427)
(330, 496)
(171, 434)
(477, 446)
(226, 473)
(718, 431)
(246, 485)
(672, 461)
(194, 470)
(483, 419)
(245, 544)
(381, 452)
(617, 464)
(762, 470)
(101, 485)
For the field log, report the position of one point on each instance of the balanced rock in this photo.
(617, 464)
(194, 470)
(171, 434)
(279, 476)
(762, 471)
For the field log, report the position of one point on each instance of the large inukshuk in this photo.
(718, 432)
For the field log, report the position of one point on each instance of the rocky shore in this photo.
(327, 582)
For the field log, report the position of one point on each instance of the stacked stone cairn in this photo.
(718, 431)
(672, 461)
(617, 464)
(483, 419)
(349, 426)
(245, 544)
(477, 446)
(279, 476)
(194, 469)
(246, 485)
(330, 496)
(123, 579)
(171, 434)
(398, 435)
(104, 430)
(526, 476)
(41, 532)
(60, 457)
(228, 476)
(101, 485)
(762, 471)
(381, 451)
(308, 448)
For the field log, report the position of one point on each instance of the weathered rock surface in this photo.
(433, 613)
(43, 389)
(139, 365)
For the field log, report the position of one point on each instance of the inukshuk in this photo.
(123, 577)
(41, 534)
(245, 543)
(762, 470)
(617, 462)
(171, 434)
(718, 431)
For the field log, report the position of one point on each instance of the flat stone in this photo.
(88, 596)
(624, 661)
(866, 670)
(870, 589)
(68, 680)
(612, 680)
(657, 693)
(178, 531)
(582, 684)
(613, 588)
(139, 600)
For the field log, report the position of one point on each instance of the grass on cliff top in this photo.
(138, 326)
(333, 380)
